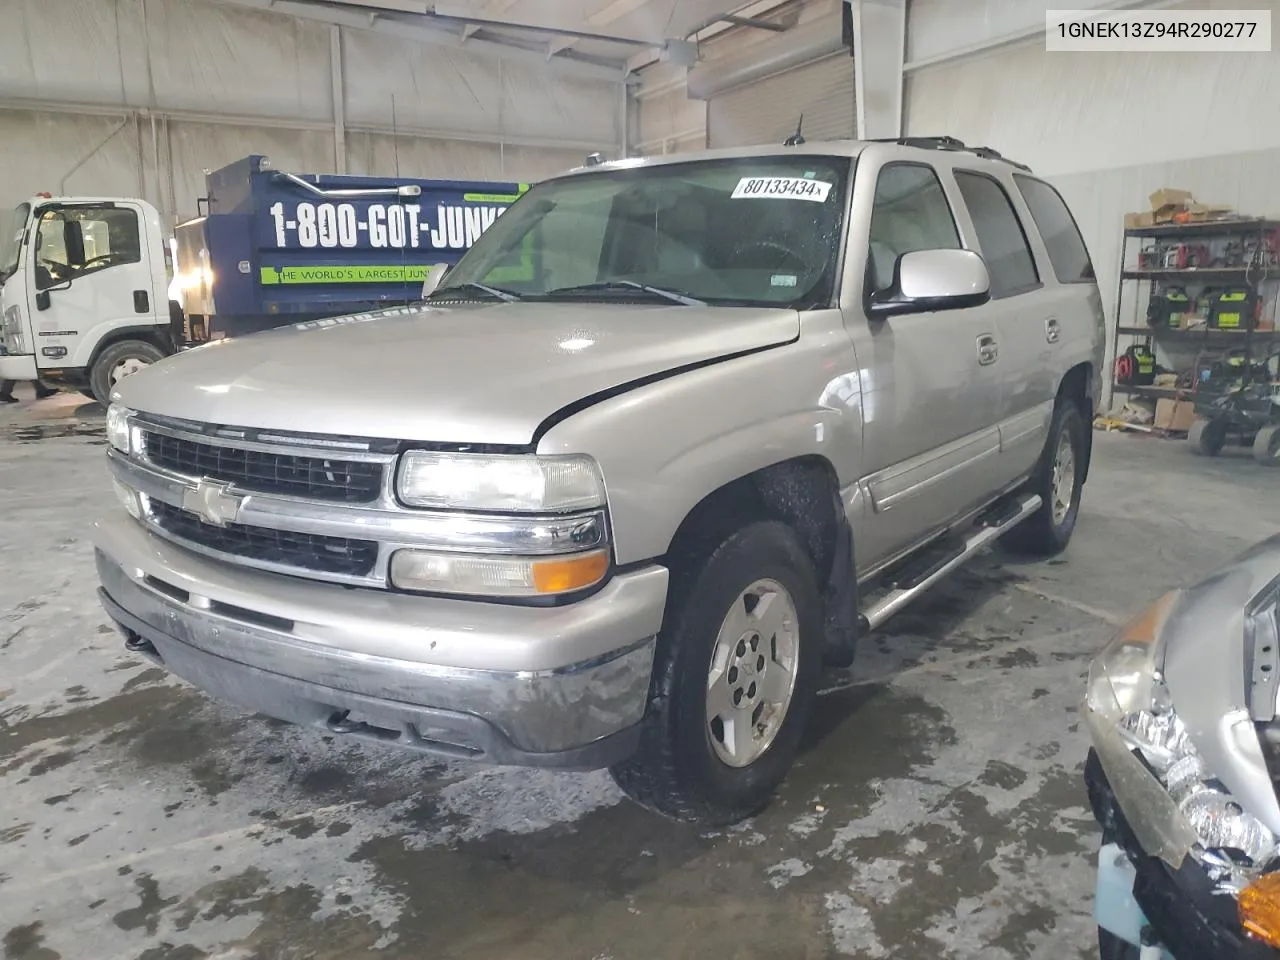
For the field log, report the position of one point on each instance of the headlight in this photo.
(1192, 813)
(516, 483)
(119, 428)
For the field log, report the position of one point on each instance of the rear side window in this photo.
(1058, 229)
(1000, 235)
(910, 213)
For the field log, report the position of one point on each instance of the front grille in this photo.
(302, 551)
(314, 478)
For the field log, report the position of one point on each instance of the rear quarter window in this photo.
(1067, 252)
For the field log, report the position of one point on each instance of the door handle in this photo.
(1052, 330)
(988, 351)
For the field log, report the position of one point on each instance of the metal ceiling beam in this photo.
(326, 13)
(753, 22)
(494, 8)
(606, 15)
(461, 14)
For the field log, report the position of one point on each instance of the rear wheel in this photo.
(1058, 479)
(735, 673)
(1266, 446)
(118, 361)
(1206, 437)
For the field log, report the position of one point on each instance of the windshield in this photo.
(747, 231)
(11, 239)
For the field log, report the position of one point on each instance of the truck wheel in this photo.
(735, 673)
(118, 361)
(1266, 446)
(1058, 480)
(1206, 437)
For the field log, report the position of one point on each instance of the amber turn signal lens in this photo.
(1259, 909)
(565, 574)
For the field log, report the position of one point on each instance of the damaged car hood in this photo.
(1221, 665)
(470, 373)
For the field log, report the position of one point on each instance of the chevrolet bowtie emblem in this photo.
(211, 502)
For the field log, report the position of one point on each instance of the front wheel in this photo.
(1058, 479)
(118, 361)
(1207, 437)
(1266, 446)
(735, 673)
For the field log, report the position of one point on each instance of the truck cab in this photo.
(83, 291)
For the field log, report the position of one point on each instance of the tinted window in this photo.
(1058, 229)
(910, 213)
(1000, 235)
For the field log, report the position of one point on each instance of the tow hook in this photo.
(338, 723)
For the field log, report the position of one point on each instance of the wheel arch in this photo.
(158, 337)
(804, 493)
(1079, 385)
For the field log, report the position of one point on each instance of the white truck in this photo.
(84, 292)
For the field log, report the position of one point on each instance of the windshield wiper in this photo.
(605, 285)
(496, 292)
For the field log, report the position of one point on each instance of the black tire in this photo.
(102, 374)
(1266, 446)
(1207, 437)
(1044, 534)
(676, 770)
(88, 392)
(1111, 947)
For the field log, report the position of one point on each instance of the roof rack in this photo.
(951, 143)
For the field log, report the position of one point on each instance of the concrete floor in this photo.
(938, 811)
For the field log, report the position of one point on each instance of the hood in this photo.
(1210, 664)
(472, 373)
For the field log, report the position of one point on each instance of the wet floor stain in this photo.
(936, 809)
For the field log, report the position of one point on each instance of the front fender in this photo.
(665, 446)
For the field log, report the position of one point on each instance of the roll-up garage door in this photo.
(766, 111)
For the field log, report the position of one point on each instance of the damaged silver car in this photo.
(1182, 710)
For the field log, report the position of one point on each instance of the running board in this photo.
(989, 528)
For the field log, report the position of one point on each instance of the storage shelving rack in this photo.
(1258, 268)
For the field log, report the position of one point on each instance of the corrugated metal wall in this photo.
(767, 111)
(668, 120)
(1107, 129)
(139, 97)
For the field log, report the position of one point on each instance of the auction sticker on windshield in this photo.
(790, 188)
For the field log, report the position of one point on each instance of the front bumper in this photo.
(541, 686)
(1188, 919)
(21, 366)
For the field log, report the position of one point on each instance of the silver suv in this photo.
(672, 434)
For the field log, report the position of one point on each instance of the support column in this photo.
(879, 45)
(339, 100)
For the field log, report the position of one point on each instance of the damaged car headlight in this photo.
(1174, 804)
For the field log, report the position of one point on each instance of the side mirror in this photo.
(925, 281)
(43, 301)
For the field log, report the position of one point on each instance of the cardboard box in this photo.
(1175, 415)
(1136, 221)
(1167, 197)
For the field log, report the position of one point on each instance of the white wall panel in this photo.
(222, 81)
(206, 55)
(669, 121)
(1068, 112)
(455, 159)
(939, 27)
(201, 146)
(39, 150)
